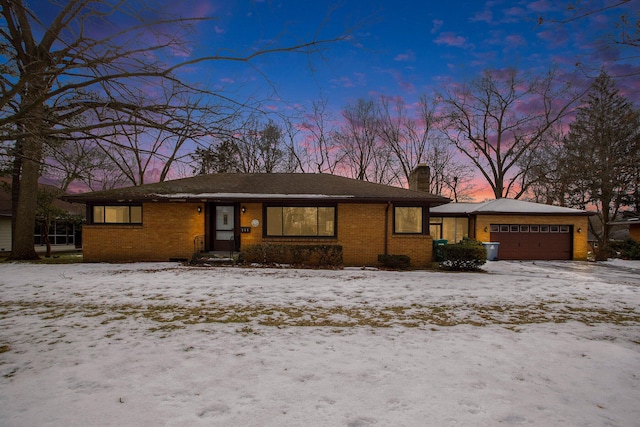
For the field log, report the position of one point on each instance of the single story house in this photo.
(525, 230)
(62, 232)
(230, 211)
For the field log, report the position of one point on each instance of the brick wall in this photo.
(360, 231)
(580, 244)
(169, 229)
(167, 232)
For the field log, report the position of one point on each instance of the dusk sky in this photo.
(406, 48)
(398, 49)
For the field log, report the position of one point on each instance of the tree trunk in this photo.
(22, 247)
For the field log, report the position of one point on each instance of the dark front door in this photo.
(224, 229)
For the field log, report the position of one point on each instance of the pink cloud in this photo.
(451, 39)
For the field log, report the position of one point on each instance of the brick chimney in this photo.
(419, 178)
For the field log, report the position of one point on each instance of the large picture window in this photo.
(408, 220)
(301, 221)
(126, 214)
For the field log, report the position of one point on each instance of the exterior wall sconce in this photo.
(243, 209)
(486, 229)
(199, 209)
(579, 230)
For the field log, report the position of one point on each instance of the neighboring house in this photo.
(228, 212)
(524, 230)
(60, 232)
(632, 220)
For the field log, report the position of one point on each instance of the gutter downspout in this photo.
(386, 228)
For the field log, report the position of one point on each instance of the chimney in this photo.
(419, 178)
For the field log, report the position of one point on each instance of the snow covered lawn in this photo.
(154, 344)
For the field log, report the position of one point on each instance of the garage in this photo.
(532, 241)
(525, 230)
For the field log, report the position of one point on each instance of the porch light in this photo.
(244, 209)
(486, 229)
(579, 229)
(199, 209)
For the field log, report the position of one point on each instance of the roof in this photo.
(261, 187)
(505, 207)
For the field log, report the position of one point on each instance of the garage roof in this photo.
(504, 207)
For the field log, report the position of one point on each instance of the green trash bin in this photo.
(438, 253)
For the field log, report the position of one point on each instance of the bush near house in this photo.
(395, 262)
(302, 255)
(628, 249)
(467, 255)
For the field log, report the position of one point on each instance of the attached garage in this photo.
(533, 241)
(525, 230)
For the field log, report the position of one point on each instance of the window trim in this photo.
(265, 222)
(425, 221)
(105, 223)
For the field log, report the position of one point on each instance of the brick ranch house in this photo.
(228, 212)
(525, 230)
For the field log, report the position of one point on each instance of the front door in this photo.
(224, 231)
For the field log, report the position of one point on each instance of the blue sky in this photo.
(402, 48)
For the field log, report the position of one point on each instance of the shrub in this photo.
(467, 255)
(396, 262)
(301, 255)
(627, 249)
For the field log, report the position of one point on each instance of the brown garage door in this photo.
(532, 241)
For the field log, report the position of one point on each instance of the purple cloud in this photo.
(540, 6)
(408, 56)
(451, 39)
(437, 24)
(484, 16)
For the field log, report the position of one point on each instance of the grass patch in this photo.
(171, 317)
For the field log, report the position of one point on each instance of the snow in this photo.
(207, 196)
(504, 206)
(150, 344)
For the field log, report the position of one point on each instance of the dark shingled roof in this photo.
(261, 187)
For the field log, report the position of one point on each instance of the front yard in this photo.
(164, 344)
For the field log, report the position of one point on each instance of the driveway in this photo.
(608, 272)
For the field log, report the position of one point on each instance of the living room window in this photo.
(300, 221)
(125, 214)
(408, 220)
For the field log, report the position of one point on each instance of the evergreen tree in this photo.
(602, 154)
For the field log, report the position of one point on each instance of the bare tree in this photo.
(364, 155)
(318, 150)
(501, 117)
(73, 71)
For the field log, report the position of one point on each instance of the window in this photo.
(300, 221)
(117, 214)
(407, 220)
